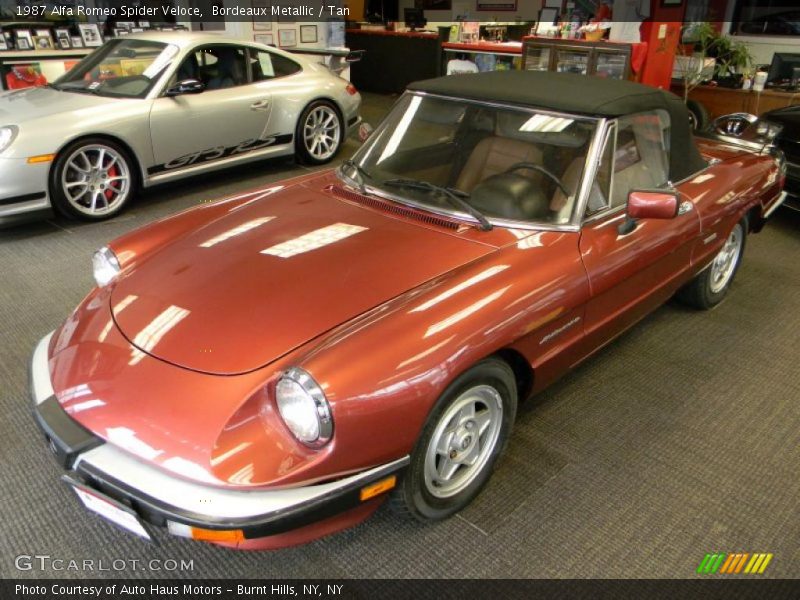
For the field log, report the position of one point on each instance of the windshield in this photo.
(125, 68)
(505, 163)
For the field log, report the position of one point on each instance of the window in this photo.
(756, 17)
(641, 155)
(125, 68)
(217, 67)
(266, 65)
(507, 163)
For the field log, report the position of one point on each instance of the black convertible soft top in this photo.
(570, 93)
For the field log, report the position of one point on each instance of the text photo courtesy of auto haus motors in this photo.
(388, 289)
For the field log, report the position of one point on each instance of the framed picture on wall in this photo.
(262, 23)
(24, 39)
(62, 38)
(497, 5)
(287, 38)
(264, 38)
(76, 41)
(308, 34)
(3, 43)
(43, 42)
(90, 33)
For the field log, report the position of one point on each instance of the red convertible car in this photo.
(265, 369)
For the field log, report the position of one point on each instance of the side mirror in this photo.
(649, 204)
(185, 86)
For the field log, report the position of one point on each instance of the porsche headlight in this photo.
(7, 135)
(304, 408)
(105, 266)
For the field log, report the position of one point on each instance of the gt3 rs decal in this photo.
(218, 152)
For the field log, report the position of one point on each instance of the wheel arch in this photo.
(523, 372)
(106, 136)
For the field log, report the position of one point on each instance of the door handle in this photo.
(260, 105)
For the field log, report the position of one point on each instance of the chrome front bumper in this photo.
(165, 500)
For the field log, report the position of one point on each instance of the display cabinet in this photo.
(603, 59)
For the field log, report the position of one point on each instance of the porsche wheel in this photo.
(711, 285)
(92, 180)
(319, 133)
(463, 437)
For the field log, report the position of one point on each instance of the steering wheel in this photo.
(540, 169)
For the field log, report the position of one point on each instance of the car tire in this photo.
(711, 285)
(319, 134)
(93, 179)
(699, 118)
(436, 484)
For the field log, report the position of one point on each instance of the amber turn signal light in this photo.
(41, 158)
(379, 487)
(217, 535)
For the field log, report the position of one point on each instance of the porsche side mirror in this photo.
(186, 86)
(649, 204)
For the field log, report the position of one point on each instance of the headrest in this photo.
(511, 196)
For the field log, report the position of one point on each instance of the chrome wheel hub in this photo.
(322, 132)
(463, 441)
(724, 264)
(96, 179)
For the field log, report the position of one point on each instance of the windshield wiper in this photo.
(455, 197)
(361, 172)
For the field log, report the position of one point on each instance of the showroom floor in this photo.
(679, 439)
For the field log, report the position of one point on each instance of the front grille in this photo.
(389, 207)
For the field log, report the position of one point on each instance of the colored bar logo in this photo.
(734, 563)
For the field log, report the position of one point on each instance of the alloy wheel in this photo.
(463, 441)
(322, 132)
(96, 179)
(724, 265)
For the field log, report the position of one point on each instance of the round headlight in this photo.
(7, 135)
(105, 266)
(304, 408)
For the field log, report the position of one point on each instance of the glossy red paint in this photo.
(652, 205)
(383, 318)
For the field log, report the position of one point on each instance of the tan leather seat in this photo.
(494, 155)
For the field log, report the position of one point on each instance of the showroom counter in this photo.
(393, 59)
(489, 55)
(720, 101)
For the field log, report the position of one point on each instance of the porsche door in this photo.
(633, 269)
(229, 118)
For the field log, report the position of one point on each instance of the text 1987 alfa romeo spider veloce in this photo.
(265, 369)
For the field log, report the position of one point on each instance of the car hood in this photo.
(272, 274)
(32, 103)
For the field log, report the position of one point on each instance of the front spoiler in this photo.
(163, 499)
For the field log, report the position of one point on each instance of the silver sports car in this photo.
(149, 108)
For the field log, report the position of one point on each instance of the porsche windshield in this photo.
(479, 161)
(126, 68)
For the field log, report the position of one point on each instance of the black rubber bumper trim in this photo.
(66, 437)
(157, 512)
(23, 198)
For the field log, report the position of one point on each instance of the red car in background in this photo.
(266, 369)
